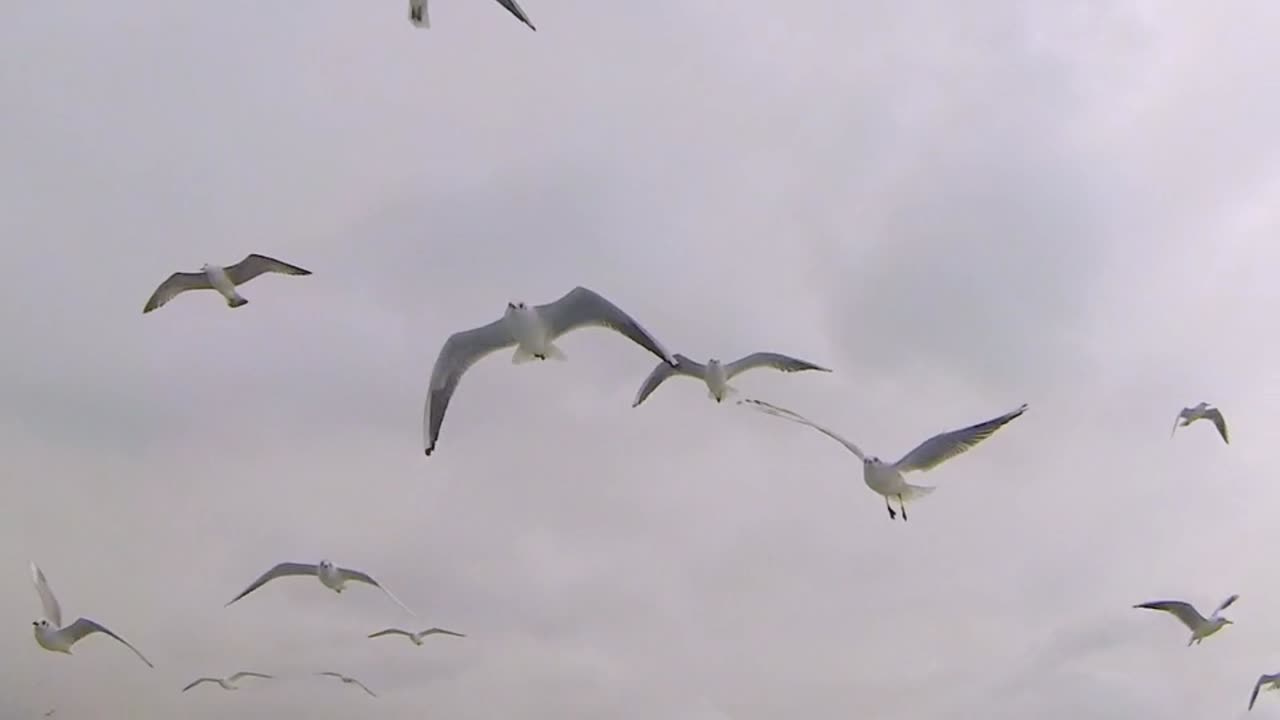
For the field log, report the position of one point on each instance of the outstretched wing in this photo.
(391, 631)
(1181, 610)
(284, 569)
(776, 361)
(1226, 603)
(197, 682)
(254, 265)
(418, 14)
(785, 414)
(441, 631)
(361, 685)
(944, 446)
(1216, 416)
(462, 350)
(514, 8)
(245, 674)
(1262, 680)
(683, 366)
(581, 307)
(357, 576)
(85, 626)
(175, 285)
(52, 612)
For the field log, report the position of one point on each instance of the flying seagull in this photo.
(717, 375)
(886, 478)
(224, 280)
(1267, 682)
(348, 680)
(420, 18)
(49, 631)
(228, 683)
(1200, 627)
(1202, 412)
(416, 637)
(533, 331)
(330, 575)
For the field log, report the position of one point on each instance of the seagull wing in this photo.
(1181, 610)
(683, 366)
(357, 576)
(1262, 680)
(85, 626)
(786, 414)
(245, 674)
(770, 360)
(361, 685)
(329, 673)
(418, 15)
(944, 446)
(461, 351)
(441, 631)
(254, 265)
(392, 631)
(52, 612)
(177, 283)
(514, 8)
(1216, 416)
(284, 569)
(197, 682)
(1226, 603)
(581, 307)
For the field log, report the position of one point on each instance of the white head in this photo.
(41, 624)
(326, 565)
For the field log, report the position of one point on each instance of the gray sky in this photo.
(957, 209)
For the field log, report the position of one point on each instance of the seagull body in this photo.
(533, 331)
(717, 375)
(1265, 682)
(228, 683)
(1201, 412)
(224, 280)
(348, 681)
(887, 479)
(419, 16)
(1200, 626)
(49, 632)
(331, 576)
(418, 636)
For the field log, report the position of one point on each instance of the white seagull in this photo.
(717, 374)
(1201, 412)
(331, 576)
(886, 478)
(347, 680)
(49, 631)
(1265, 682)
(420, 18)
(533, 331)
(228, 683)
(224, 280)
(416, 637)
(1200, 627)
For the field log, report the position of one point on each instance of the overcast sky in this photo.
(958, 209)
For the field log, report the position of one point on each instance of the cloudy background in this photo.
(1073, 205)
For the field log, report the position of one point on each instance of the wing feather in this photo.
(1181, 610)
(581, 307)
(785, 414)
(944, 446)
(254, 265)
(357, 576)
(52, 611)
(84, 626)
(777, 361)
(663, 371)
(284, 569)
(461, 351)
(175, 285)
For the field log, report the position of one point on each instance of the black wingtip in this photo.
(427, 452)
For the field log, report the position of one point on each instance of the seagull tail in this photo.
(237, 302)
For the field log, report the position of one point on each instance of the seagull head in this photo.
(326, 564)
(41, 623)
(515, 306)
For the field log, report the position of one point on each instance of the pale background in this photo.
(959, 207)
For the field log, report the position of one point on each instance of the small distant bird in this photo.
(717, 375)
(50, 712)
(1200, 627)
(224, 280)
(330, 575)
(228, 683)
(1265, 682)
(533, 331)
(49, 632)
(886, 478)
(416, 637)
(348, 680)
(419, 17)
(1201, 412)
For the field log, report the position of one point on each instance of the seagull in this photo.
(532, 330)
(49, 631)
(348, 680)
(1268, 682)
(224, 280)
(330, 575)
(1202, 412)
(228, 683)
(717, 375)
(1199, 626)
(416, 637)
(419, 17)
(886, 478)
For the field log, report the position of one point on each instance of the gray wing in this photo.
(1216, 416)
(177, 283)
(52, 612)
(441, 631)
(683, 366)
(362, 686)
(85, 626)
(1226, 603)
(795, 417)
(254, 265)
(357, 576)
(461, 351)
(1183, 611)
(514, 8)
(581, 307)
(391, 631)
(197, 682)
(944, 446)
(770, 360)
(1262, 680)
(329, 673)
(284, 569)
(245, 674)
